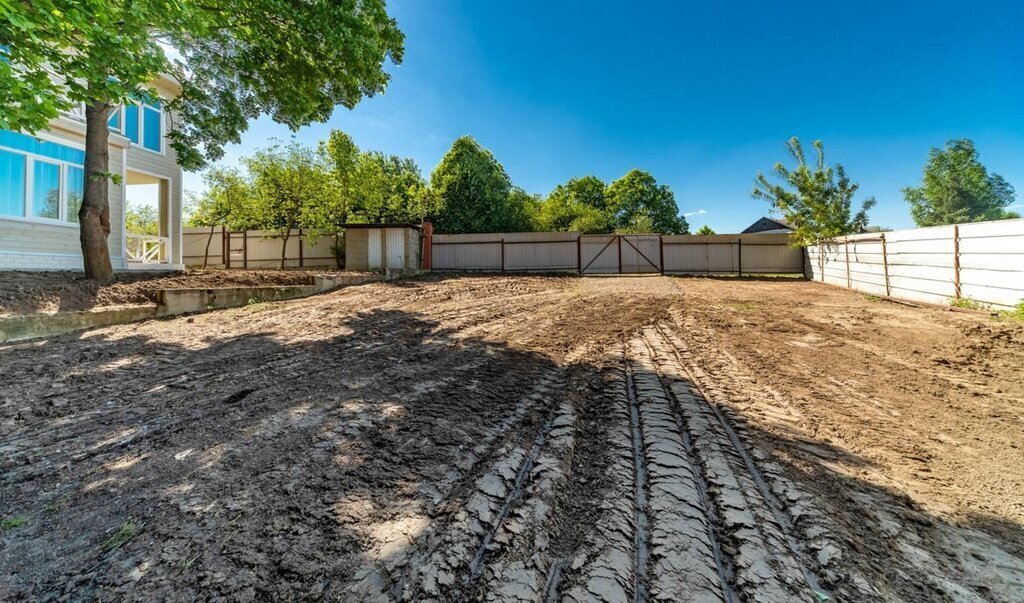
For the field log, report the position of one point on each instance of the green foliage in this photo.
(227, 201)
(123, 535)
(473, 192)
(704, 230)
(639, 204)
(1017, 313)
(142, 219)
(387, 188)
(10, 524)
(966, 303)
(957, 188)
(815, 199)
(579, 205)
(289, 186)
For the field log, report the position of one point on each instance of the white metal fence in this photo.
(254, 249)
(981, 261)
(612, 254)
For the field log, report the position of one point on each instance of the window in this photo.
(39, 179)
(141, 123)
(45, 190)
(76, 188)
(12, 184)
(115, 119)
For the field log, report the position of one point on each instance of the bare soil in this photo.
(508, 438)
(61, 291)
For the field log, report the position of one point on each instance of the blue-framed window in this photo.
(39, 179)
(141, 123)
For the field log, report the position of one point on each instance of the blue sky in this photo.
(702, 95)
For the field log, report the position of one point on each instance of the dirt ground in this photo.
(28, 292)
(505, 438)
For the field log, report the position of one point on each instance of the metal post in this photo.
(848, 281)
(739, 253)
(245, 249)
(579, 254)
(300, 248)
(956, 261)
(620, 252)
(225, 246)
(661, 253)
(885, 265)
(503, 255)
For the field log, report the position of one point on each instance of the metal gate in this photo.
(620, 254)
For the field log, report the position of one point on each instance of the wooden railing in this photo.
(146, 249)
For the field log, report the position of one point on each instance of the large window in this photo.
(39, 179)
(141, 123)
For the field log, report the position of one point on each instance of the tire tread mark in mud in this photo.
(774, 505)
(641, 535)
(724, 571)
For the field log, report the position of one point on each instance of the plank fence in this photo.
(617, 254)
(980, 261)
(256, 249)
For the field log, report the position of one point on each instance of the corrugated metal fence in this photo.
(982, 261)
(256, 249)
(615, 254)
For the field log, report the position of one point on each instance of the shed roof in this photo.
(384, 225)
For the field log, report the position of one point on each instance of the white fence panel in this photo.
(924, 264)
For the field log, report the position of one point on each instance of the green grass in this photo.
(122, 536)
(872, 298)
(966, 303)
(10, 524)
(1016, 314)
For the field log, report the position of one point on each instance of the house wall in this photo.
(35, 245)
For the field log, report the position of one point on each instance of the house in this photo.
(768, 226)
(376, 247)
(42, 179)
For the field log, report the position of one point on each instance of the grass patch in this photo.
(122, 536)
(1017, 313)
(967, 304)
(10, 524)
(745, 305)
(872, 298)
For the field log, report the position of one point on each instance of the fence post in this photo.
(739, 255)
(427, 255)
(885, 266)
(956, 261)
(848, 281)
(300, 248)
(245, 249)
(225, 246)
(661, 254)
(579, 254)
(821, 261)
(503, 255)
(619, 241)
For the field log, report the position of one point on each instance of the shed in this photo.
(375, 247)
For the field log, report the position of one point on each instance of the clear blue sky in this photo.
(703, 95)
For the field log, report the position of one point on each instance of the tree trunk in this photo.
(206, 254)
(284, 246)
(94, 217)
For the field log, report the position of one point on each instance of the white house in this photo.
(41, 184)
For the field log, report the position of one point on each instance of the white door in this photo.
(396, 248)
(373, 250)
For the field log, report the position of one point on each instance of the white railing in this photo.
(146, 249)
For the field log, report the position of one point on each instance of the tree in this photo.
(816, 199)
(142, 219)
(957, 188)
(294, 61)
(639, 204)
(704, 230)
(289, 184)
(226, 202)
(579, 205)
(472, 191)
(387, 188)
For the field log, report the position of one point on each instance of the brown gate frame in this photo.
(618, 240)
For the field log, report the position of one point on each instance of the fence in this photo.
(981, 261)
(613, 254)
(256, 249)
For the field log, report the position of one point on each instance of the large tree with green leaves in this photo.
(957, 188)
(473, 192)
(289, 185)
(815, 198)
(292, 60)
(579, 205)
(639, 204)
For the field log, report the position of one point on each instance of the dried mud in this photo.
(504, 438)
